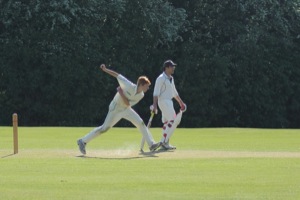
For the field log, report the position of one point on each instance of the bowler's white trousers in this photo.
(115, 114)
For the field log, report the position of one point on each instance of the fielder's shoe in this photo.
(155, 146)
(167, 146)
(81, 146)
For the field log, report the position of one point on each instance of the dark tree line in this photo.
(238, 61)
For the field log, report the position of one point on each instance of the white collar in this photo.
(166, 76)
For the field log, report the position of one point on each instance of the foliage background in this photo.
(238, 61)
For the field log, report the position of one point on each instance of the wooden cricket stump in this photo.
(15, 132)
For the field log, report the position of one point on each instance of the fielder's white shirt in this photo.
(129, 90)
(165, 88)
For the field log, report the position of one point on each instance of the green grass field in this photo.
(215, 163)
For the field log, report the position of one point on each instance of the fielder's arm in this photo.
(109, 71)
(181, 103)
(126, 101)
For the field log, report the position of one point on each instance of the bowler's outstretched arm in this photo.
(109, 71)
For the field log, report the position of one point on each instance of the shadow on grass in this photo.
(8, 155)
(142, 154)
(155, 152)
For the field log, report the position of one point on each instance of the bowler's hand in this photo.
(103, 67)
(152, 109)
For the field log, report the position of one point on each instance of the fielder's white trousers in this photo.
(115, 114)
(169, 118)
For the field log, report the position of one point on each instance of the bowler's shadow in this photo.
(142, 155)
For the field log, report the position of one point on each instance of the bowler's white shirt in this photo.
(129, 90)
(165, 88)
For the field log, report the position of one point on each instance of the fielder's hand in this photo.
(183, 107)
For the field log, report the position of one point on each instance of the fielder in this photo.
(127, 96)
(164, 92)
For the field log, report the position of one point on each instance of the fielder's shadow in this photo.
(157, 152)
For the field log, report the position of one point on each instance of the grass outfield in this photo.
(215, 163)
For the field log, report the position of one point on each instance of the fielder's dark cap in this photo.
(168, 63)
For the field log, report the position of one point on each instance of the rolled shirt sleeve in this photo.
(129, 90)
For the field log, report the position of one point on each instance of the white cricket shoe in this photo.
(167, 146)
(81, 146)
(155, 146)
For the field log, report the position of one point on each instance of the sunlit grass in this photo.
(49, 165)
